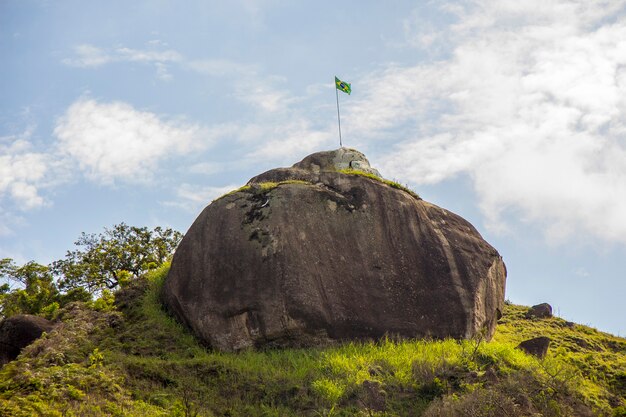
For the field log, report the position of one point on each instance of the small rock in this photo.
(372, 396)
(616, 401)
(581, 342)
(540, 311)
(491, 375)
(19, 331)
(537, 346)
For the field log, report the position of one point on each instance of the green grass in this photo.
(137, 361)
(390, 183)
(599, 356)
(262, 187)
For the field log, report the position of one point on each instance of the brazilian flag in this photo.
(345, 87)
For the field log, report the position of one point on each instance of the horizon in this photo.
(510, 115)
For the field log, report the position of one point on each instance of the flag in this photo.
(345, 87)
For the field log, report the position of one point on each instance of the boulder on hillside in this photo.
(539, 311)
(537, 346)
(19, 331)
(307, 255)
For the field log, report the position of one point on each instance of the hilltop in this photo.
(128, 357)
(320, 289)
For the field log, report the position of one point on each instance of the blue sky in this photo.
(511, 114)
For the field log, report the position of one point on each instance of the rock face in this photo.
(19, 331)
(340, 159)
(306, 255)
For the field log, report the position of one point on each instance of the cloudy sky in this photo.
(509, 113)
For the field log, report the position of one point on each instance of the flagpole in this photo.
(338, 118)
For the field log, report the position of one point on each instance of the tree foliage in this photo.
(31, 289)
(101, 263)
(108, 260)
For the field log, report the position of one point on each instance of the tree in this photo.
(109, 259)
(30, 289)
(6, 266)
(35, 288)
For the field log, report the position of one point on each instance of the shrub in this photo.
(479, 403)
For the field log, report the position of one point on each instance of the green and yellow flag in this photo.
(343, 86)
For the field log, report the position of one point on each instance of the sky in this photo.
(510, 114)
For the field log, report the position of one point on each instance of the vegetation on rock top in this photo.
(390, 183)
(262, 187)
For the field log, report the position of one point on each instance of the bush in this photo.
(479, 403)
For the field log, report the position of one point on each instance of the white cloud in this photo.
(4, 228)
(162, 72)
(90, 56)
(108, 142)
(204, 168)
(221, 67)
(115, 141)
(531, 105)
(287, 141)
(193, 197)
(280, 130)
(581, 272)
(248, 86)
(23, 172)
(128, 54)
(263, 96)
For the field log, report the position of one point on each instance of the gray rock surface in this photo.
(342, 158)
(19, 331)
(328, 257)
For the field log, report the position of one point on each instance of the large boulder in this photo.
(19, 331)
(307, 254)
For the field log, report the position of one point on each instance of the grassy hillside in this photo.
(132, 359)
